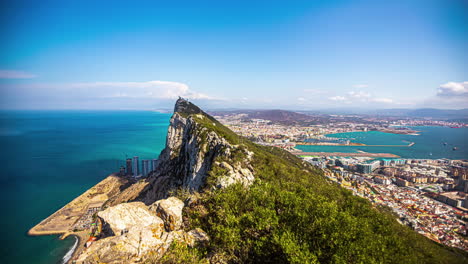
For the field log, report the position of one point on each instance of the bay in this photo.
(429, 144)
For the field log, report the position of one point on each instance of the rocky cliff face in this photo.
(192, 150)
(195, 150)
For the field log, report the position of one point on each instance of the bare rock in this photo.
(170, 211)
(123, 217)
(199, 237)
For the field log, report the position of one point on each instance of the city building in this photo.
(129, 166)
(122, 171)
(135, 166)
(154, 162)
(145, 167)
(401, 182)
(455, 199)
(382, 180)
(368, 168)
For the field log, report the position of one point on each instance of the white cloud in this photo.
(12, 74)
(359, 95)
(360, 98)
(453, 89)
(315, 91)
(360, 86)
(382, 100)
(337, 98)
(150, 89)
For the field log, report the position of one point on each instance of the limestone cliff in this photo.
(145, 227)
(193, 148)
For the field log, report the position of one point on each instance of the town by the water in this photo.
(429, 195)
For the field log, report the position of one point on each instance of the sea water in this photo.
(47, 158)
(428, 144)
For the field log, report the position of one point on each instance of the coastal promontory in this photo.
(216, 197)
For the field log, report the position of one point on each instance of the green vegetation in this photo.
(180, 253)
(292, 214)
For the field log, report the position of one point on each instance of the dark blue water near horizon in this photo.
(50, 157)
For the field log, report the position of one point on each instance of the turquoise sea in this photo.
(50, 157)
(428, 144)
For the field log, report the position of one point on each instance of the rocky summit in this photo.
(215, 197)
(192, 148)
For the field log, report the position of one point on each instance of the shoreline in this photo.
(71, 253)
(71, 219)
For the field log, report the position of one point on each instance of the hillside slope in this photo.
(292, 214)
(262, 204)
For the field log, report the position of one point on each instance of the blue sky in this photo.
(266, 54)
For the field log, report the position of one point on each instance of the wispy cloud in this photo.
(149, 89)
(98, 95)
(359, 95)
(315, 91)
(360, 98)
(382, 100)
(12, 74)
(337, 98)
(360, 86)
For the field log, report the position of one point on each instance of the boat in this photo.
(454, 148)
(445, 143)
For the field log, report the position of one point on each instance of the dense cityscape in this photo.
(429, 195)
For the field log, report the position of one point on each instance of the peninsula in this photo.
(217, 197)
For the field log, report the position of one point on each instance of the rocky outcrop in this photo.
(140, 234)
(170, 210)
(123, 217)
(193, 147)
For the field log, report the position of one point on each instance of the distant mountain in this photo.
(442, 114)
(426, 113)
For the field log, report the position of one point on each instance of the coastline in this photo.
(72, 252)
(65, 220)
